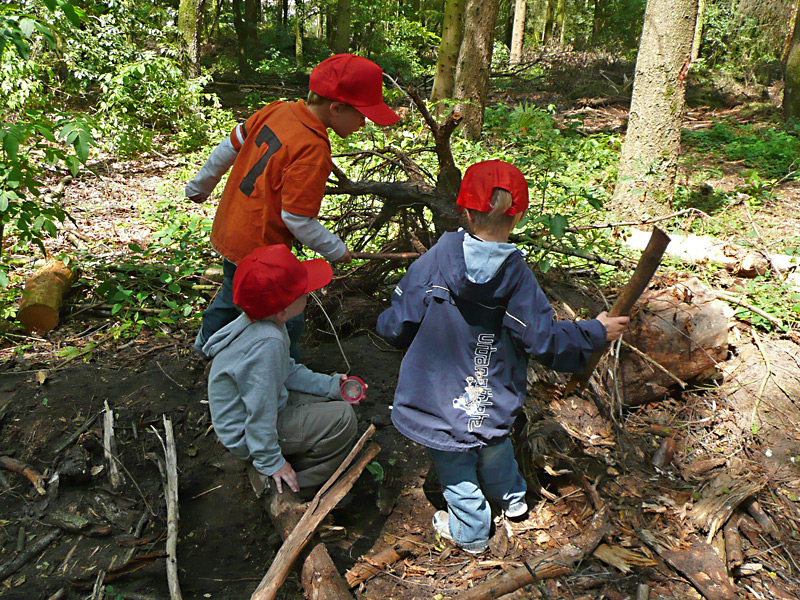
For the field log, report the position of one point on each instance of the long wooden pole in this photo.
(386, 255)
(645, 269)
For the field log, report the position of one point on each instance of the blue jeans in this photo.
(222, 311)
(471, 478)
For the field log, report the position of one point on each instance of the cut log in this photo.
(318, 573)
(41, 298)
(683, 328)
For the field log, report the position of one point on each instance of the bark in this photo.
(190, 19)
(42, 296)
(240, 27)
(518, 32)
(447, 58)
(342, 39)
(649, 161)
(369, 566)
(791, 92)
(299, 31)
(549, 20)
(698, 30)
(598, 19)
(474, 62)
(252, 12)
(318, 574)
(561, 19)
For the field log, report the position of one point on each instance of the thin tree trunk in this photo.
(299, 29)
(561, 19)
(190, 22)
(447, 59)
(474, 62)
(342, 44)
(518, 32)
(698, 30)
(252, 8)
(791, 91)
(549, 20)
(648, 165)
(598, 20)
(241, 36)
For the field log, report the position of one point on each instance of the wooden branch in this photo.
(385, 255)
(317, 509)
(369, 566)
(320, 578)
(81, 430)
(654, 364)
(16, 466)
(110, 448)
(33, 550)
(645, 269)
(555, 563)
(172, 511)
(733, 543)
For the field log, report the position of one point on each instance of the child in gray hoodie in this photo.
(267, 409)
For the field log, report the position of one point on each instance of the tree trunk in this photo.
(561, 19)
(41, 299)
(299, 29)
(791, 92)
(241, 36)
(518, 32)
(698, 30)
(474, 62)
(284, 12)
(190, 19)
(342, 43)
(252, 9)
(447, 59)
(549, 20)
(598, 19)
(648, 165)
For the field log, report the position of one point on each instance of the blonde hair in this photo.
(315, 99)
(495, 221)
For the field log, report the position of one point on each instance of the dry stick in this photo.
(16, 466)
(318, 508)
(386, 255)
(14, 565)
(737, 301)
(650, 361)
(555, 563)
(171, 493)
(645, 269)
(81, 430)
(110, 448)
(369, 566)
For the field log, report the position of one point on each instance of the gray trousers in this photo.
(315, 435)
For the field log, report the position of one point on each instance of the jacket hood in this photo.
(475, 277)
(225, 336)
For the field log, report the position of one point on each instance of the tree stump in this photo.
(41, 298)
(683, 328)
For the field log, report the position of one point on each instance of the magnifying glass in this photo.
(353, 389)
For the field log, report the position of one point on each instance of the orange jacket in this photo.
(283, 163)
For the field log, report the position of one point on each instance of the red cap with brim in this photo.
(482, 178)
(356, 81)
(270, 278)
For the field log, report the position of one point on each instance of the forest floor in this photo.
(738, 438)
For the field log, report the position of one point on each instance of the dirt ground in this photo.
(736, 439)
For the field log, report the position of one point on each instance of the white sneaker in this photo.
(441, 525)
(517, 509)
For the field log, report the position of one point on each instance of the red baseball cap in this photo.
(480, 180)
(270, 278)
(356, 81)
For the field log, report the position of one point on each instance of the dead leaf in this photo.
(41, 377)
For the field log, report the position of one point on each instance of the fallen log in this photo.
(42, 296)
(318, 573)
(369, 566)
(555, 563)
(645, 269)
(33, 550)
(326, 499)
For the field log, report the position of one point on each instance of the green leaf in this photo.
(51, 4)
(46, 133)
(174, 288)
(69, 12)
(26, 26)
(3, 279)
(11, 146)
(558, 223)
(376, 469)
(81, 145)
(3, 202)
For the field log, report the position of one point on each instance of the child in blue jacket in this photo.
(470, 311)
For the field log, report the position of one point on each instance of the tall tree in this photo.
(598, 19)
(649, 161)
(549, 7)
(342, 39)
(240, 27)
(791, 90)
(474, 62)
(190, 23)
(447, 58)
(299, 31)
(518, 32)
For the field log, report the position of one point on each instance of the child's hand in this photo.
(286, 473)
(343, 377)
(615, 326)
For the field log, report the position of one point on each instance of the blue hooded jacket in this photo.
(469, 327)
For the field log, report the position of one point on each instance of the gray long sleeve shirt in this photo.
(249, 385)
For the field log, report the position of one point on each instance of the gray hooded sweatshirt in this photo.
(249, 385)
